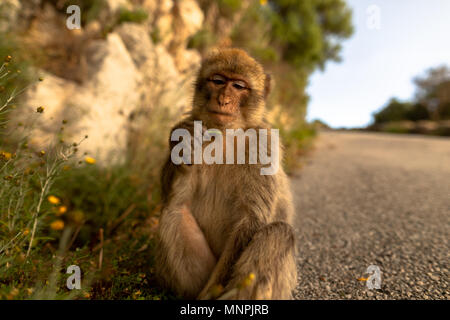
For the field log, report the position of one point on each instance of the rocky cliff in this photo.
(105, 79)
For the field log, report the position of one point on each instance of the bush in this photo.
(57, 210)
(28, 207)
(137, 15)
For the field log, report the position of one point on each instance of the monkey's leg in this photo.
(185, 259)
(270, 256)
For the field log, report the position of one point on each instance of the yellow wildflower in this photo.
(5, 155)
(14, 292)
(61, 210)
(26, 231)
(40, 109)
(53, 200)
(263, 2)
(8, 58)
(90, 160)
(77, 216)
(57, 225)
(216, 290)
(247, 281)
(362, 279)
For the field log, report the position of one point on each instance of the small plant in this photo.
(155, 35)
(28, 204)
(136, 15)
(202, 40)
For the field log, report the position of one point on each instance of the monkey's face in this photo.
(227, 94)
(230, 90)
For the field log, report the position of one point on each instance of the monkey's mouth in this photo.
(221, 117)
(220, 113)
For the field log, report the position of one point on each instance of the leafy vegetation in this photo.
(396, 110)
(431, 103)
(137, 15)
(58, 208)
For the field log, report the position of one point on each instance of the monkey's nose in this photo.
(224, 100)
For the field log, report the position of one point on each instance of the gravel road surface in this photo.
(374, 199)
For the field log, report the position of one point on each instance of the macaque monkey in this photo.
(226, 229)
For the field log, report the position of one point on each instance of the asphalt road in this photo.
(374, 199)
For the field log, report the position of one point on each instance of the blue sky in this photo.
(378, 64)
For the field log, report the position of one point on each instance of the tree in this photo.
(433, 91)
(290, 37)
(418, 112)
(394, 110)
(307, 33)
(431, 101)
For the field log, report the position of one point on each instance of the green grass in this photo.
(96, 199)
(57, 210)
(297, 142)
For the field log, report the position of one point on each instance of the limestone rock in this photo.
(110, 9)
(164, 21)
(137, 41)
(100, 107)
(187, 61)
(191, 17)
(51, 94)
(9, 14)
(105, 102)
(122, 79)
(188, 19)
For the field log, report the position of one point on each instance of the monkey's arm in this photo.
(185, 259)
(170, 170)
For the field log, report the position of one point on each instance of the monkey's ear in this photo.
(267, 85)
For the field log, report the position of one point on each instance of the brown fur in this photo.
(222, 222)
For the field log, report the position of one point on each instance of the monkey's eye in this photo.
(240, 85)
(217, 79)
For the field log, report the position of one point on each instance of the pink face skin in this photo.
(227, 92)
